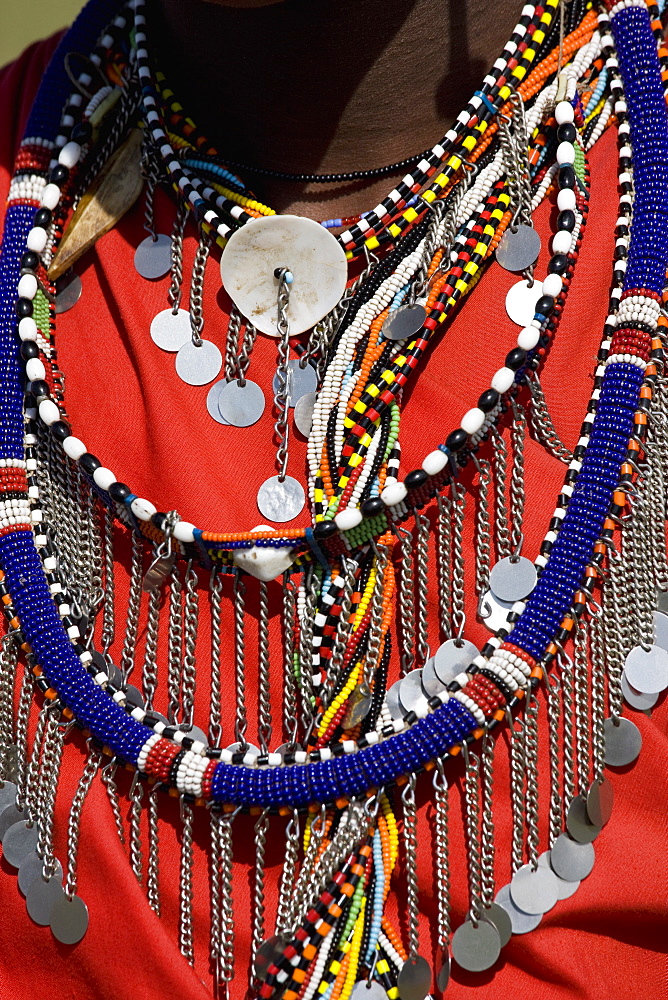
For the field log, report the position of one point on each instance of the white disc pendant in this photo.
(153, 257)
(212, 398)
(521, 301)
(304, 408)
(315, 257)
(171, 330)
(281, 501)
(198, 365)
(241, 405)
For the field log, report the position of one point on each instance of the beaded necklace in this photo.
(348, 746)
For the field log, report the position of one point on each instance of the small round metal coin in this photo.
(281, 501)
(414, 981)
(42, 896)
(68, 292)
(364, 990)
(431, 684)
(31, 868)
(600, 800)
(623, 742)
(476, 948)
(300, 381)
(662, 601)
(195, 733)
(647, 669)
(392, 701)
(519, 249)
(266, 953)
(69, 919)
(534, 891)
(453, 657)
(521, 922)
(513, 579)
(494, 612)
(565, 888)
(304, 408)
(404, 322)
(212, 398)
(570, 860)
(134, 696)
(10, 815)
(241, 405)
(578, 822)
(521, 301)
(171, 330)
(18, 842)
(250, 748)
(637, 699)
(499, 917)
(661, 629)
(7, 794)
(411, 695)
(443, 974)
(198, 365)
(153, 257)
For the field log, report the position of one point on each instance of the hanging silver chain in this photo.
(215, 701)
(74, 824)
(153, 858)
(406, 598)
(197, 289)
(541, 421)
(186, 939)
(554, 718)
(176, 256)
(134, 606)
(410, 858)
(264, 678)
(282, 395)
(238, 598)
(422, 528)
(191, 626)
(441, 854)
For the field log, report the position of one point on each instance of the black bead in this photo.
(29, 261)
(59, 175)
(60, 430)
(545, 305)
(516, 358)
(566, 176)
(324, 529)
(566, 220)
(415, 479)
(620, 253)
(29, 349)
(158, 519)
(43, 218)
(566, 132)
(82, 132)
(488, 400)
(558, 264)
(372, 507)
(23, 308)
(119, 492)
(89, 463)
(456, 440)
(39, 389)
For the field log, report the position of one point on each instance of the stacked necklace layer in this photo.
(353, 741)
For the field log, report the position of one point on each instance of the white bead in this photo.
(184, 531)
(566, 200)
(36, 239)
(552, 285)
(35, 369)
(143, 509)
(528, 338)
(28, 328)
(565, 153)
(69, 155)
(103, 477)
(264, 563)
(27, 286)
(435, 462)
(564, 112)
(503, 379)
(50, 196)
(393, 494)
(473, 420)
(74, 448)
(561, 242)
(349, 518)
(48, 412)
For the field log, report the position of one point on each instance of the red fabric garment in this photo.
(124, 400)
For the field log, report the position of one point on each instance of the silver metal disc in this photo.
(69, 919)
(281, 501)
(392, 701)
(578, 822)
(304, 408)
(431, 684)
(521, 301)
(534, 891)
(443, 974)
(623, 742)
(518, 250)
(499, 917)
(300, 381)
(662, 601)
(570, 860)
(198, 365)
(647, 670)
(134, 696)
(521, 922)
(41, 898)
(600, 800)
(10, 815)
(7, 794)
(411, 695)
(637, 699)
(661, 629)
(250, 748)
(404, 322)
(68, 292)
(18, 842)
(153, 257)
(11, 766)
(453, 657)
(195, 733)
(513, 579)
(267, 953)
(564, 888)
(171, 330)
(476, 948)
(241, 405)
(212, 398)
(494, 612)
(31, 868)
(414, 980)
(365, 990)
(315, 257)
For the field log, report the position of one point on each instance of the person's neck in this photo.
(327, 86)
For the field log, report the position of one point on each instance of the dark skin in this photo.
(325, 86)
